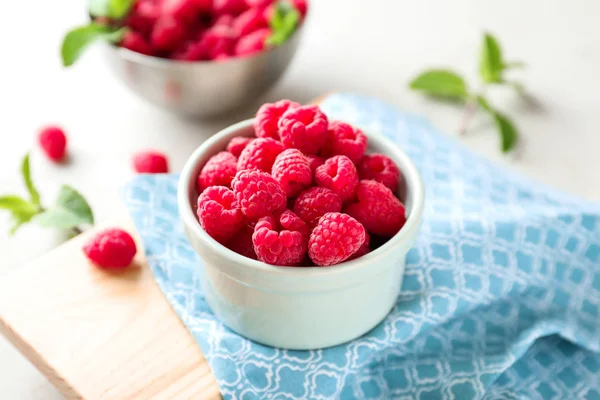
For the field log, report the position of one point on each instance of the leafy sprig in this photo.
(69, 212)
(283, 23)
(447, 84)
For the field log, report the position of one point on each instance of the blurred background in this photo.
(370, 47)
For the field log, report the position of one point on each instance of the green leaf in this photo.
(508, 133)
(78, 39)
(71, 210)
(26, 173)
(283, 23)
(21, 210)
(483, 103)
(441, 83)
(98, 8)
(490, 63)
(115, 9)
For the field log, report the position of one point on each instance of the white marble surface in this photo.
(369, 47)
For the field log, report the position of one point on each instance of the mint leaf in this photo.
(21, 210)
(483, 103)
(441, 83)
(490, 63)
(508, 133)
(116, 9)
(71, 210)
(78, 39)
(26, 173)
(283, 23)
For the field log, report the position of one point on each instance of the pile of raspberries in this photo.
(302, 192)
(199, 30)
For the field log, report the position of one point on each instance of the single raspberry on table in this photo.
(258, 193)
(260, 154)
(234, 7)
(303, 128)
(315, 162)
(242, 242)
(219, 170)
(292, 170)
(136, 42)
(253, 42)
(111, 248)
(380, 168)
(377, 209)
(167, 34)
(277, 245)
(150, 162)
(238, 144)
(219, 213)
(344, 139)
(363, 249)
(53, 141)
(186, 11)
(335, 238)
(266, 123)
(338, 174)
(315, 202)
(249, 21)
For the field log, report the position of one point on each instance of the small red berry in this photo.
(242, 242)
(303, 128)
(266, 123)
(167, 34)
(150, 162)
(277, 244)
(380, 168)
(249, 21)
(238, 144)
(136, 42)
(363, 249)
(292, 170)
(217, 41)
(186, 11)
(234, 7)
(253, 42)
(219, 170)
(338, 174)
(143, 16)
(259, 3)
(225, 19)
(219, 213)
(336, 238)
(111, 248)
(260, 154)
(315, 162)
(258, 193)
(315, 202)
(344, 139)
(53, 141)
(301, 6)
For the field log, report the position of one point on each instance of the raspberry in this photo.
(186, 11)
(238, 144)
(313, 203)
(225, 19)
(335, 238)
(258, 193)
(277, 245)
(111, 248)
(315, 162)
(377, 209)
(252, 43)
(136, 42)
(259, 3)
(190, 51)
(150, 162)
(167, 34)
(219, 213)
(338, 174)
(53, 142)
(292, 222)
(222, 56)
(216, 41)
(266, 123)
(249, 21)
(235, 7)
(219, 170)
(143, 16)
(344, 139)
(292, 170)
(303, 128)
(301, 6)
(380, 168)
(363, 249)
(242, 242)
(260, 153)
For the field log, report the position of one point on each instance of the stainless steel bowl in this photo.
(203, 88)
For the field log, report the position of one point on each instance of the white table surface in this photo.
(371, 47)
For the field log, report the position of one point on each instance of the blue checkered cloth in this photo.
(500, 298)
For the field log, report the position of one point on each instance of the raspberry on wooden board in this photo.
(111, 248)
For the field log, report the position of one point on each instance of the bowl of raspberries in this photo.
(201, 58)
(302, 223)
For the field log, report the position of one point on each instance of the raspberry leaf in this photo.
(71, 209)
(21, 210)
(283, 23)
(79, 39)
(26, 173)
(508, 133)
(441, 83)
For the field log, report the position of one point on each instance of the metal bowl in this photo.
(204, 88)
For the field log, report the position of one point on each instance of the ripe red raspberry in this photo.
(259, 3)
(380, 168)
(363, 249)
(266, 123)
(167, 34)
(150, 162)
(242, 242)
(278, 244)
(136, 42)
(111, 248)
(377, 209)
(292, 170)
(315, 162)
(338, 174)
(225, 19)
(315, 202)
(143, 16)
(253, 42)
(219, 170)
(249, 21)
(301, 6)
(186, 11)
(234, 7)
(238, 144)
(260, 153)
(219, 213)
(258, 193)
(335, 238)
(303, 128)
(344, 139)
(190, 51)
(53, 141)
(217, 41)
